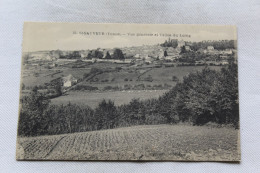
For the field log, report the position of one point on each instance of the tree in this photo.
(31, 121)
(75, 54)
(57, 87)
(108, 56)
(89, 56)
(170, 43)
(23, 86)
(118, 54)
(106, 115)
(183, 50)
(174, 43)
(175, 78)
(99, 54)
(165, 53)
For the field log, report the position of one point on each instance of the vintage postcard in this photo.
(128, 92)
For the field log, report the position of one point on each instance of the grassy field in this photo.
(162, 75)
(92, 99)
(158, 142)
(134, 76)
(46, 75)
(127, 75)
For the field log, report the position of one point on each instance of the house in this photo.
(137, 56)
(181, 43)
(54, 65)
(170, 58)
(200, 62)
(69, 80)
(210, 48)
(187, 48)
(170, 49)
(107, 54)
(84, 54)
(224, 62)
(200, 50)
(139, 62)
(227, 51)
(223, 56)
(148, 59)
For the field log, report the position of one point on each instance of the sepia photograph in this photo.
(129, 92)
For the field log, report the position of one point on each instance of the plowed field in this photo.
(157, 142)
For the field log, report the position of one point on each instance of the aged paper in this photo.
(128, 92)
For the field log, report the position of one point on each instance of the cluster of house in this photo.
(211, 50)
(136, 54)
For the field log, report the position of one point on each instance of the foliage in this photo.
(118, 54)
(108, 56)
(165, 53)
(57, 88)
(84, 87)
(170, 43)
(23, 86)
(202, 97)
(183, 50)
(219, 45)
(95, 70)
(31, 119)
(107, 115)
(175, 78)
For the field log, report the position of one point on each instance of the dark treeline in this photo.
(219, 45)
(202, 97)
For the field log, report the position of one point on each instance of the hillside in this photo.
(154, 142)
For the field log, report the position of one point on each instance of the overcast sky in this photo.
(52, 36)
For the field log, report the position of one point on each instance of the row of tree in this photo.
(117, 54)
(206, 96)
(219, 45)
(97, 53)
(170, 43)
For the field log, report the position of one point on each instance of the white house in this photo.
(137, 56)
(69, 80)
(181, 43)
(227, 51)
(210, 48)
(187, 48)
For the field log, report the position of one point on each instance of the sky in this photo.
(70, 36)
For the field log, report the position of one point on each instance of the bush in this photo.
(84, 87)
(202, 97)
(95, 70)
(105, 80)
(127, 86)
(148, 78)
(107, 88)
(86, 75)
(118, 69)
(167, 85)
(139, 87)
(175, 78)
(118, 54)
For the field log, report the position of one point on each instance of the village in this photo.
(147, 67)
(138, 55)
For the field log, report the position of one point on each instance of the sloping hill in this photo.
(154, 142)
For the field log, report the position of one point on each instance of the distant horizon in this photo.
(120, 47)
